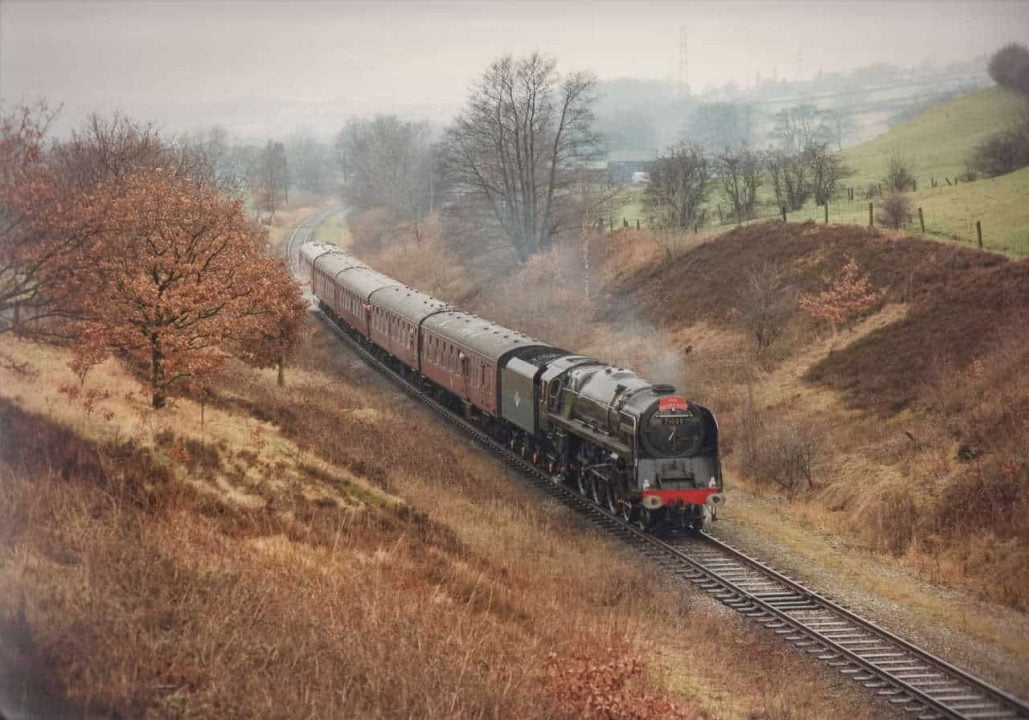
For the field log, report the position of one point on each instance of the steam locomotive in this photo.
(638, 449)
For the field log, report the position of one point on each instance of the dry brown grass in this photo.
(265, 565)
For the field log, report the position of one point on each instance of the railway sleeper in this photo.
(777, 594)
(958, 699)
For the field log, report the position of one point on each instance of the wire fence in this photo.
(851, 206)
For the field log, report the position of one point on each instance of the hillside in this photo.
(327, 550)
(939, 140)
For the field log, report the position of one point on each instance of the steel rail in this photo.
(893, 668)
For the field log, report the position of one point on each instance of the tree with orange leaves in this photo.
(274, 320)
(848, 296)
(173, 279)
(43, 224)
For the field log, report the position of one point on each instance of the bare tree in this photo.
(517, 145)
(766, 304)
(677, 186)
(387, 163)
(900, 172)
(799, 127)
(825, 170)
(840, 126)
(307, 159)
(271, 182)
(109, 149)
(789, 175)
(739, 172)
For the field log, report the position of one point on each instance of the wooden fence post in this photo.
(783, 213)
(869, 214)
(921, 220)
(979, 233)
(637, 223)
(826, 212)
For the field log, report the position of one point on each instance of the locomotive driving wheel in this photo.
(610, 499)
(625, 510)
(582, 483)
(644, 519)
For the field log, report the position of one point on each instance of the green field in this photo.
(938, 142)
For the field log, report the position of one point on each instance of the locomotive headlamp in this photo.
(652, 502)
(715, 499)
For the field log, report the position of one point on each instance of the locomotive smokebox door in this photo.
(517, 399)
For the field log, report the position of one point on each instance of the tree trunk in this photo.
(157, 397)
(282, 372)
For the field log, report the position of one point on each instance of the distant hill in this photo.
(939, 140)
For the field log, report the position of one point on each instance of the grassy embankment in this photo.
(916, 420)
(939, 141)
(327, 550)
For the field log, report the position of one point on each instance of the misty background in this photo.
(265, 69)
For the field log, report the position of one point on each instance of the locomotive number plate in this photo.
(674, 420)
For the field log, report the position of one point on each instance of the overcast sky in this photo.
(267, 67)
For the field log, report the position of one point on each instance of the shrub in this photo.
(766, 304)
(777, 451)
(895, 211)
(601, 686)
(1009, 67)
(1004, 152)
(900, 173)
(847, 297)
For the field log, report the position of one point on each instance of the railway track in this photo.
(892, 668)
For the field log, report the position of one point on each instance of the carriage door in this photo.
(466, 374)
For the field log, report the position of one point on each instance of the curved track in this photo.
(889, 666)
